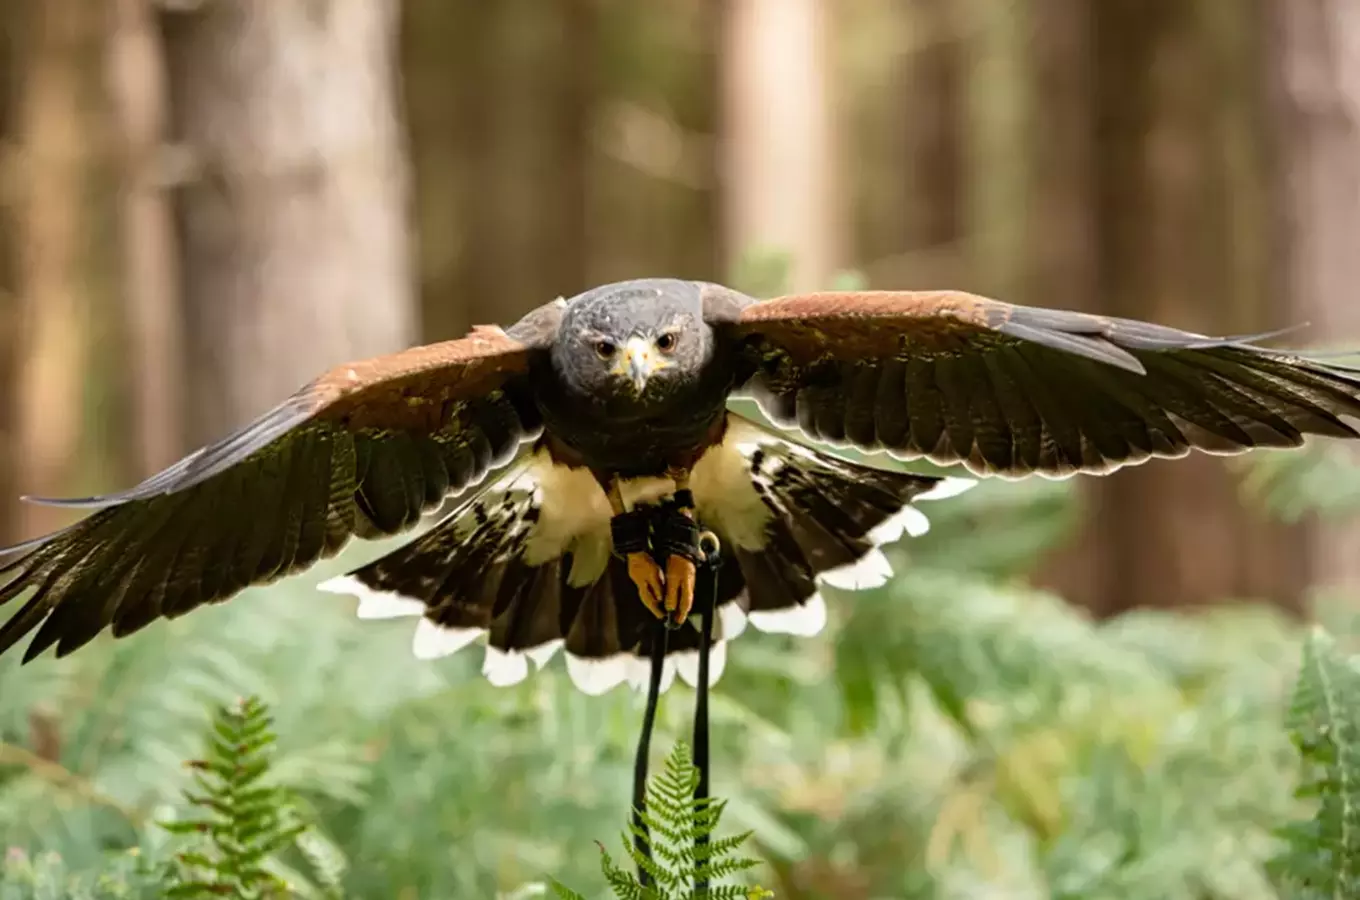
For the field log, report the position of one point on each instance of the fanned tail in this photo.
(527, 563)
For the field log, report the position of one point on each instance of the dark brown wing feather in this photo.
(363, 450)
(1012, 390)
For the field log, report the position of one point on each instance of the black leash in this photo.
(705, 599)
(644, 747)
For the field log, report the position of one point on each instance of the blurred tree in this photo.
(999, 191)
(442, 45)
(777, 148)
(909, 186)
(501, 99)
(1060, 250)
(654, 191)
(52, 177)
(932, 121)
(556, 146)
(146, 167)
(1180, 218)
(296, 252)
(9, 293)
(1316, 57)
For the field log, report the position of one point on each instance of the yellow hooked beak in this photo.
(639, 361)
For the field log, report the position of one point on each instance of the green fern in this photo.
(1323, 857)
(244, 821)
(562, 892)
(686, 852)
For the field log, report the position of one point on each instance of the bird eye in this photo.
(666, 342)
(605, 349)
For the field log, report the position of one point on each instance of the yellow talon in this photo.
(646, 574)
(680, 578)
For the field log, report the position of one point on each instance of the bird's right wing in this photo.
(363, 450)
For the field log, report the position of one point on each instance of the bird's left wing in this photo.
(1012, 390)
(363, 450)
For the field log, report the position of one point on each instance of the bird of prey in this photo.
(588, 407)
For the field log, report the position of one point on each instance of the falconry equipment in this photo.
(590, 409)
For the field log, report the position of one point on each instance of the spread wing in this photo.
(1012, 390)
(363, 450)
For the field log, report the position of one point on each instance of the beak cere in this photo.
(637, 362)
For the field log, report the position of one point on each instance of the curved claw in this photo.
(647, 576)
(681, 574)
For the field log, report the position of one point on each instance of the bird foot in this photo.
(681, 574)
(675, 538)
(669, 594)
(647, 576)
(667, 533)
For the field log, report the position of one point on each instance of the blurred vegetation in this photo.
(951, 733)
(955, 734)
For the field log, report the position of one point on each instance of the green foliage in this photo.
(1323, 854)
(951, 735)
(1323, 478)
(762, 272)
(242, 823)
(678, 860)
(230, 844)
(126, 876)
(765, 272)
(676, 822)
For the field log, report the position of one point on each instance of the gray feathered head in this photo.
(637, 342)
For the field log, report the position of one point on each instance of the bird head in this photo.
(636, 341)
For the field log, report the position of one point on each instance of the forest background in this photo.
(1073, 689)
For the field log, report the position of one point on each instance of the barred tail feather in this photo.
(826, 519)
(527, 564)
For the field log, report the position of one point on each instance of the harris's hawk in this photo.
(617, 397)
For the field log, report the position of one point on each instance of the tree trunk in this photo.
(150, 252)
(1175, 533)
(501, 98)
(10, 341)
(932, 122)
(777, 147)
(50, 192)
(1061, 248)
(443, 43)
(294, 232)
(1316, 58)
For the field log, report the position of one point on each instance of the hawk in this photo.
(556, 429)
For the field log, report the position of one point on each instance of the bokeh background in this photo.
(1072, 690)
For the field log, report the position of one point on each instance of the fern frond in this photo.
(1323, 855)
(562, 892)
(678, 835)
(244, 822)
(722, 868)
(732, 892)
(660, 874)
(622, 882)
(719, 848)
